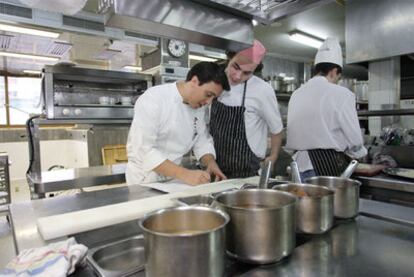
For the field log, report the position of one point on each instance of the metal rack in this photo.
(4, 179)
(386, 112)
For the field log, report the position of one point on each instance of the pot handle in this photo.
(350, 169)
(265, 174)
(295, 173)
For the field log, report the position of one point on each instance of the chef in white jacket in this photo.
(323, 128)
(169, 121)
(243, 118)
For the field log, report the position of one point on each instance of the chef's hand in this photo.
(214, 170)
(194, 177)
(271, 158)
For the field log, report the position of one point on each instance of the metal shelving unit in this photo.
(386, 112)
(4, 179)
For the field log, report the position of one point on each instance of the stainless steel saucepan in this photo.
(315, 206)
(185, 241)
(262, 224)
(314, 209)
(346, 197)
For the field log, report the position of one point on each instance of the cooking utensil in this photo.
(262, 225)
(350, 169)
(346, 198)
(314, 209)
(176, 235)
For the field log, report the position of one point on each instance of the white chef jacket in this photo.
(322, 115)
(262, 112)
(164, 128)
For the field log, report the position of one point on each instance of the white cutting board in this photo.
(61, 225)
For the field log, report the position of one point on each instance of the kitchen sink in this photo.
(120, 258)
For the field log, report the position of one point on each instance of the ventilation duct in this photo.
(5, 41)
(59, 48)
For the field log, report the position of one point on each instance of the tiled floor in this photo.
(19, 192)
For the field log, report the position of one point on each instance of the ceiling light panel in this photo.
(306, 39)
(28, 56)
(201, 58)
(28, 31)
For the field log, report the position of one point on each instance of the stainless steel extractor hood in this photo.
(263, 11)
(378, 29)
(184, 20)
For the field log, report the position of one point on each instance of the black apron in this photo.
(328, 162)
(233, 153)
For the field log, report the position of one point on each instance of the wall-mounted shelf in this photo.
(283, 96)
(386, 112)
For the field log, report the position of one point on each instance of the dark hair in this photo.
(209, 72)
(324, 68)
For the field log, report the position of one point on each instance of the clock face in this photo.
(177, 48)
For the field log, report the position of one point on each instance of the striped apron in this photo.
(328, 162)
(234, 155)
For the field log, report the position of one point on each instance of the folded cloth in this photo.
(56, 259)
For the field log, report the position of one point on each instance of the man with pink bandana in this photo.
(242, 118)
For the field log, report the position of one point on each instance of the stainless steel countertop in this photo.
(385, 182)
(73, 178)
(24, 215)
(362, 247)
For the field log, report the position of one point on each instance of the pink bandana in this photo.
(254, 53)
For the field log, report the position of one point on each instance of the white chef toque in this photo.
(329, 52)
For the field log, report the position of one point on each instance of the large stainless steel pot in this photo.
(262, 225)
(346, 198)
(185, 241)
(314, 209)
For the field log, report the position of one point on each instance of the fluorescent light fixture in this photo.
(36, 72)
(133, 67)
(28, 56)
(201, 58)
(28, 31)
(306, 39)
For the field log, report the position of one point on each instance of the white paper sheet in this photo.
(177, 186)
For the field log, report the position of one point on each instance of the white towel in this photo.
(56, 259)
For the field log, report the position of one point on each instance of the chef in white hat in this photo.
(323, 129)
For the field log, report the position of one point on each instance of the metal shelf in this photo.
(4, 179)
(386, 112)
(282, 96)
